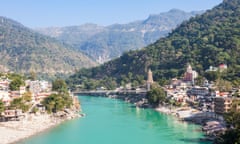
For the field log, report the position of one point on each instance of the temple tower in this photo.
(190, 75)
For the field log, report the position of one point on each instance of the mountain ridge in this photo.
(205, 40)
(108, 42)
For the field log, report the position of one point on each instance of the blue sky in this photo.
(45, 13)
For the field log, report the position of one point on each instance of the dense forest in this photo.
(205, 40)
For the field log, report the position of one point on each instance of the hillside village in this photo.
(18, 99)
(29, 106)
(192, 99)
(38, 90)
(203, 102)
(186, 90)
(206, 103)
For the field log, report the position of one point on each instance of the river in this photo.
(111, 121)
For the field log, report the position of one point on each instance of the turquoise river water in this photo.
(111, 121)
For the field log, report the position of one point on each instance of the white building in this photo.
(199, 91)
(37, 86)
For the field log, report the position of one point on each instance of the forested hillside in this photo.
(208, 39)
(23, 50)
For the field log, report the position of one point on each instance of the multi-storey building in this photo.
(222, 104)
(199, 91)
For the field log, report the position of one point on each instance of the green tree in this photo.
(2, 107)
(19, 103)
(32, 76)
(212, 75)
(156, 95)
(230, 137)
(59, 85)
(108, 83)
(27, 96)
(223, 85)
(35, 110)
(49, 103)
(67, 100)
(199, 80)
(236, 94)
(16, 103)
(15, 84)
(57, 102)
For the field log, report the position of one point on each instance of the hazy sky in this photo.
(45, 13)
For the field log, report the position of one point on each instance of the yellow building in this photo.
(222, 104)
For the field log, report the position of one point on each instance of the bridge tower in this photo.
(149, 80)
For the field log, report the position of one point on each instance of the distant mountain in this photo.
(209, 39)
(24, 50)
(105, 43)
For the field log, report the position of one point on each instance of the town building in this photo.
(211, 68)
(222, 67)
(222, 104)
(4, 84)
(4, 91)
(40, 96)
(12, 114)
(221, 94)
(4, 96)
(39, 89)
(178, 84)
(199, 91)
(190, 75)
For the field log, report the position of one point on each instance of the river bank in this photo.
(32, 124)
(211, 123)
(107, 121)
(13, 131)
(188, 114)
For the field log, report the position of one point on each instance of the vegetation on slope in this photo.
(206, 40)
(23, 50)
